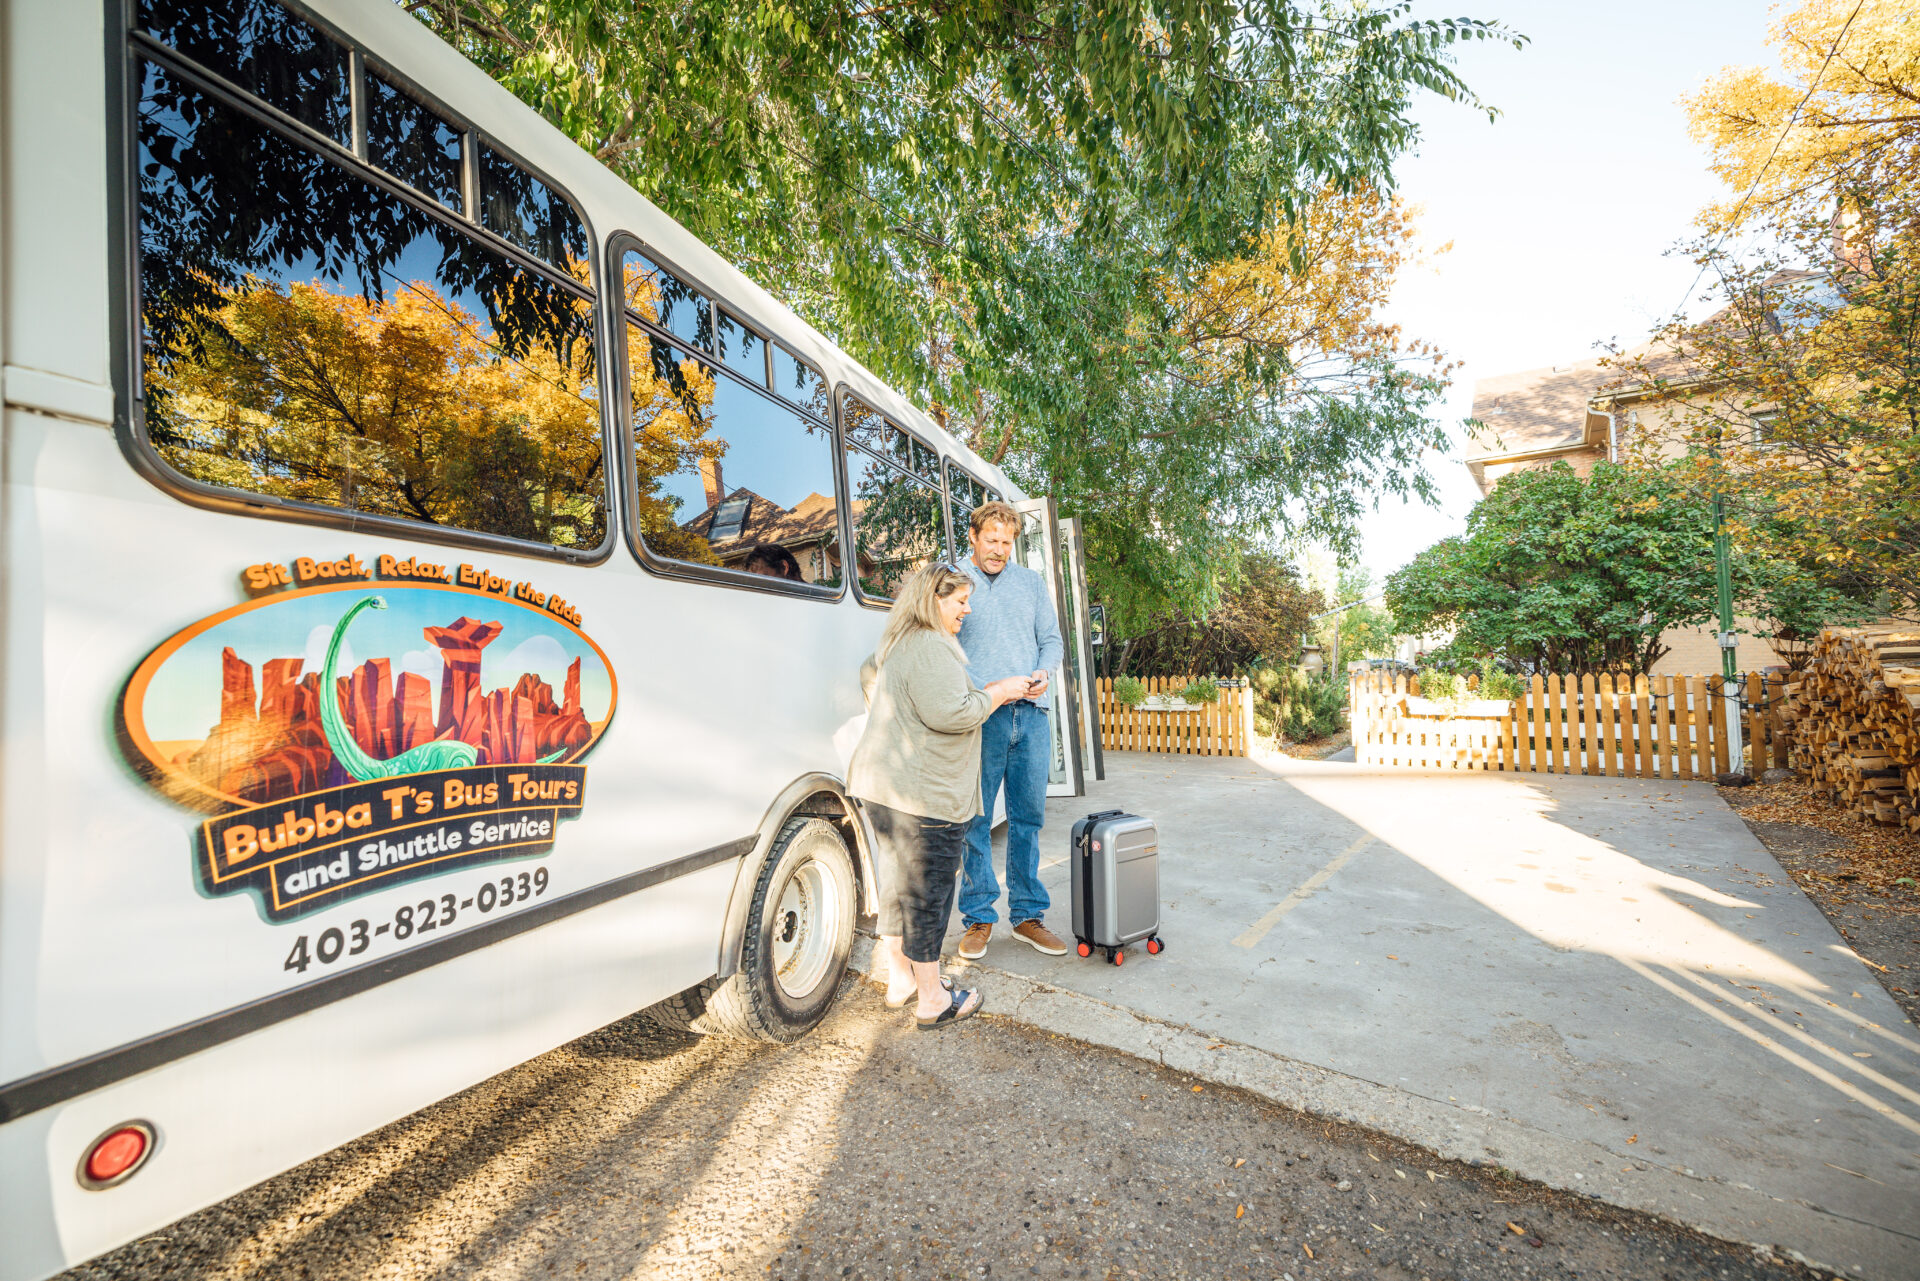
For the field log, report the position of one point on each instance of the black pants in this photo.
(918, 864)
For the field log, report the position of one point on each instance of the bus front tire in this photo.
(798, 935)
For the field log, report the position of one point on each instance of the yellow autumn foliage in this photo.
(1311, 295)
(1863, 71)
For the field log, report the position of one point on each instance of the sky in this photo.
(1561, 211)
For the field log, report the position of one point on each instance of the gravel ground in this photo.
(1884, 928)
(869, 1150)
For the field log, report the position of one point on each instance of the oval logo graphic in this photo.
(228, 712)
(351, 736)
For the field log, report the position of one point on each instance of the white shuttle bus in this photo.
(434, 588)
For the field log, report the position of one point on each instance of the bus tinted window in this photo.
(261, 48)
(964, 493)
(743, 349)
(720, 469)
(310, 336)
(528, 214)
(412, 143)
(661, 298)
(800, 383)
(897, 524)
(926, 463)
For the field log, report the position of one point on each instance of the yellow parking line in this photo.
(1258, 930)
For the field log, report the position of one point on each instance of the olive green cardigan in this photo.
(921, 750)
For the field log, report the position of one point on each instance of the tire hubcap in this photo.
(808, 926)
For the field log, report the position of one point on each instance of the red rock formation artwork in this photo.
(236, 687)
(277, 748)
(460, 647)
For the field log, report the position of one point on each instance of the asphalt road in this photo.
(869, 1150)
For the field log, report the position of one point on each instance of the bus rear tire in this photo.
(681, 1011)
(798, 935)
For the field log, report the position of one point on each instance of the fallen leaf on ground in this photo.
(1634, 1139)
(1392, 957)
(1196, 1089)
(1237, 1164)
(1240, 1213)
(1517, 1229)
(1308, 1249)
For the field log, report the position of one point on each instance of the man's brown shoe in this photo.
(1039, 937)
(973, 944)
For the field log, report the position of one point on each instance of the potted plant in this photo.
(1448, 694)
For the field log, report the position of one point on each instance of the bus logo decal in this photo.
(462, 707)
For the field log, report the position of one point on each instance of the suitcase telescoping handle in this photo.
(1086, 826)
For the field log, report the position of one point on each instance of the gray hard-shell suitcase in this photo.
(1115, 883)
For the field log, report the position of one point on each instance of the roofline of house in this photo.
(1651, 391)
(1565, 447)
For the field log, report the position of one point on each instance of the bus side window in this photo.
(260, 47)
(661, 298)
(308, 335)
(744, 350)
(412, 142)
(800, 384)
(529, 215)
(722, 471)
(897, 520)
(964, 493)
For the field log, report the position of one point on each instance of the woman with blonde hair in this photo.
(917, 772)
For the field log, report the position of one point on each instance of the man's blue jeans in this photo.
(1015, 746)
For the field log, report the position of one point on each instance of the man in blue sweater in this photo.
(1012, 631)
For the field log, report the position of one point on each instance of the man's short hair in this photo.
(996, 511)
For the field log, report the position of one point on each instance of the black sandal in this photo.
(892, 1004)
(953, 1013)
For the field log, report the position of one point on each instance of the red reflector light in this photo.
(116, 1154)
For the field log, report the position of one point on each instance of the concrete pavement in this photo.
(1603, 984)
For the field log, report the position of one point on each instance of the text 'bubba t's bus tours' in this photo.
(391, 690)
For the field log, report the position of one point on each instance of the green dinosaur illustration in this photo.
(441, 753)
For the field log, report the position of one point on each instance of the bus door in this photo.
(1038, 547)
(1079, 633)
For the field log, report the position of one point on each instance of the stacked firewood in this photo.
(1854, 716)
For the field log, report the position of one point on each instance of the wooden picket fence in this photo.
(1222, 728)
(1635, 727)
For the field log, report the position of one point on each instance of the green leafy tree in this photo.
(1793, 600)
(1015, 214)
(1366, 628)
(1259, 620)
(1565, 574)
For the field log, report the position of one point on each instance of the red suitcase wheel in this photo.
(1086, 949)
(1119, 955)
(1153, 947)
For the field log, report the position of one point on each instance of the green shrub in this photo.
(1201, 691)
(1495, 683)
(1447, 689)
(1129, 692)
(1290, 704)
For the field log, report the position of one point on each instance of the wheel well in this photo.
(816, 796)
(839, 810)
